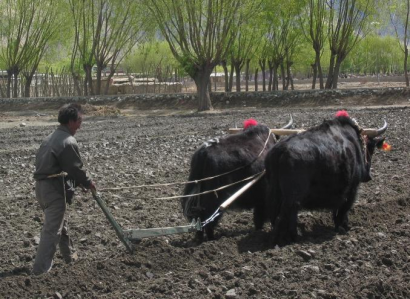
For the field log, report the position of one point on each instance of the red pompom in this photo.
(342, 113)
(249, 123)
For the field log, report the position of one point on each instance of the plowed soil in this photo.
(124, 151)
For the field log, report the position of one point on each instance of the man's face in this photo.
(73, 126)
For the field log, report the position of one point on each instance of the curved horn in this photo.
(290, 123)
(375, 132)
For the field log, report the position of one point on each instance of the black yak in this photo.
(241, 155)
(320, 168)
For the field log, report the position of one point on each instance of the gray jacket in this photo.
(59, 152)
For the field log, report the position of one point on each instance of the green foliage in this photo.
(148, 56)
(375, 54)
(192, 46)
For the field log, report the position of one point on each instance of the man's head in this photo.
(71, 116)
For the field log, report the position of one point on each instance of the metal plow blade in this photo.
(127, 237)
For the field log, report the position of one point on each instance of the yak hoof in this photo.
(341, 230)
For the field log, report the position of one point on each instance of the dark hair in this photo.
(69, 112)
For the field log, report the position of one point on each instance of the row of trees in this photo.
(267, 36)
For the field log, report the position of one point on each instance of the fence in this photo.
(61, 84)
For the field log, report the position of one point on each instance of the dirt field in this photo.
(371, 261)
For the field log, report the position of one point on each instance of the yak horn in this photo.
(290, 123)
(285, 130)
(375, 132)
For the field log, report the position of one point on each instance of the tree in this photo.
(244, 47)
(347, 25)
(375, 55)
(84, 14)
(399, 14)
(120, 25)
(26, 28)
(316, 20)
(263, 54)
(200, 34)
(43, 33)
(283, 34)
(150, 57)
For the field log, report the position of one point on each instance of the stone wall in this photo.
(305, 98)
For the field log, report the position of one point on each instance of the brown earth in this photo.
(133, 148)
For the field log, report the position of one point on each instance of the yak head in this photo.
(372, 140)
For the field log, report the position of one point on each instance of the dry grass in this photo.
(92, 110)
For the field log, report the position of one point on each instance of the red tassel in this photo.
(249, 123)
(342, 113)
(386, 147)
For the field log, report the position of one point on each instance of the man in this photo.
(58, 154)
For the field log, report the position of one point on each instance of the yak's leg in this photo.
(340, 216)
(293, 221)
(273, 203)
(209, 230)
(292, 196)
(199, 237)
(259, 216)
(285, 230)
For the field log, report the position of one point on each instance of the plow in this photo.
(130, 237)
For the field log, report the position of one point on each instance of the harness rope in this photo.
(205, 192)
(195, 181)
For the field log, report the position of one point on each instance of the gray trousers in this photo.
(50, 195)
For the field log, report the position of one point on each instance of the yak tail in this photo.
(191, 206)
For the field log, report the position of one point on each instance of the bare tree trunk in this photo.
(9, 82)
(270, 88)
(202, 81)
(336, 73)
(289, 76)
(329, 81)
(275, 77)
(231, 78)
(110, 75)
(98, 75)
(89, 80)
(226, 75)
(15, 84)
(2, 95)
(317, 72)
(238, 77)
(76, 81)
(247, 75)
(406, 75)
(314, 68)
(27, 84)
(256, 80)
(320, 72)
(283, 74)
(262, 64)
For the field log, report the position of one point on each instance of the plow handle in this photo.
(115, 225)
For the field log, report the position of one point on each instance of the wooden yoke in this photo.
(279, 132)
